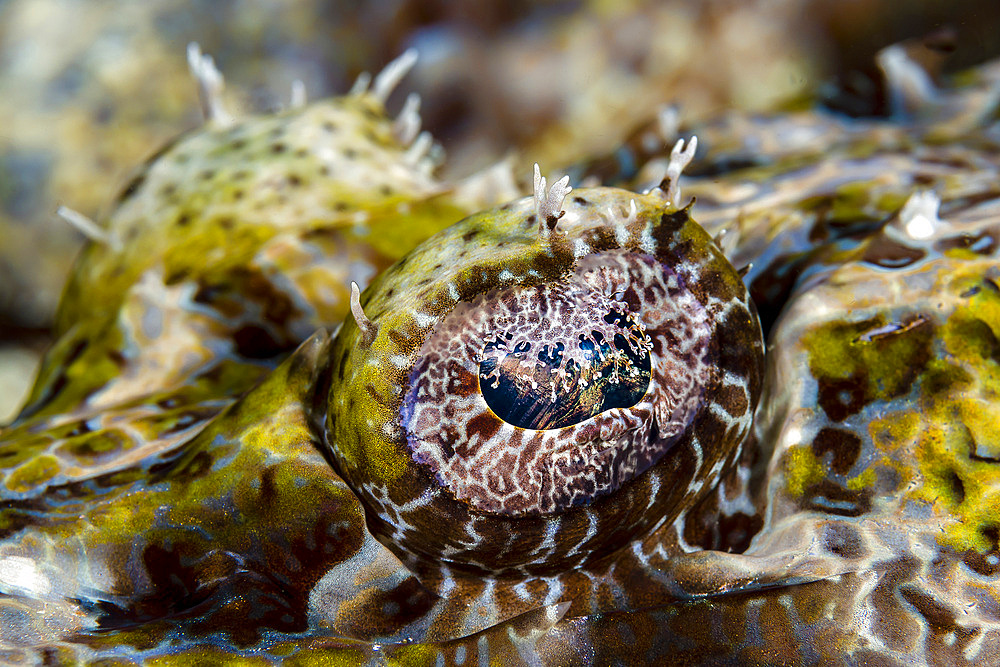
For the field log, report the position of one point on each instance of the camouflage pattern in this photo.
(200, 474)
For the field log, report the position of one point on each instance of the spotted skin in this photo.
(200, 476)
(228, 249)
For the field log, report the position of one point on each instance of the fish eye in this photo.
(528, 392)
(533, 399)
(543, 373)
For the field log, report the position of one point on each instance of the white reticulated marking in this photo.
(731, 379)
(422, 500)
(549, 201)
(482, 611)
(210, 85)
(448, 583)
(866, 613)
(591, 531)
(88, 227)
(407, 125)
(483, 647)
(680, 157)
(387, 80)
(401, 526)
(919, 216)
(521, 591)
(720, 412)
(974, 647)
(551, 534)
(699, 457)
(399, 360)
(639, 554)
(555, 590)
(422, 319)
(473, 538)
(369, 330)
(299, 97)
(654, 491)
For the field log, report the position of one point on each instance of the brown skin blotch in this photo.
(843, 540)
(841, 398)
(843, 445)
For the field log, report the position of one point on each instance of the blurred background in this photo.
(89, 88)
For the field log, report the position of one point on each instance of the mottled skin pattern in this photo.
(183, 485)
(604, 452)
(502, 249)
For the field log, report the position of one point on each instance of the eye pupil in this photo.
(551, 391)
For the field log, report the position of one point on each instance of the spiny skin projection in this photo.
(165, 475)
(448, 480)
(232, 245)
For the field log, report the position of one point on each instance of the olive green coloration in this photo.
(215, 465)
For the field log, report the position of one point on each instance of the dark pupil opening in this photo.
(539, 386)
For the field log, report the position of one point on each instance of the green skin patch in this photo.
(961, 447)
(198, 477)
(936, 386)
